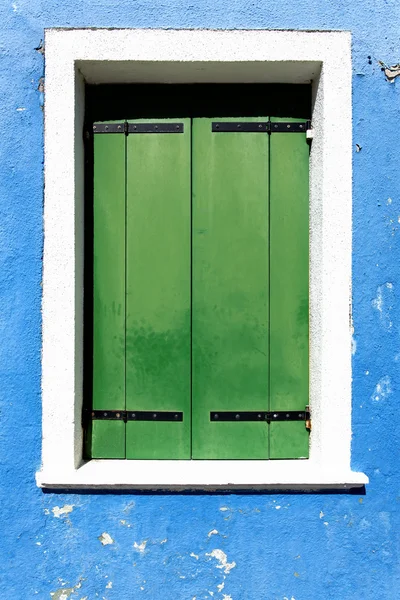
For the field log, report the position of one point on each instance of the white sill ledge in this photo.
(204, 475)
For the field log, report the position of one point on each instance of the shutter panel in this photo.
(158, 291)
(230, 290)
(108, 437)
(289, 275)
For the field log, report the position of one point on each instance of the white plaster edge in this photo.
(205, 475)
(330, 243)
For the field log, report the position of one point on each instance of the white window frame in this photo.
(172, 56)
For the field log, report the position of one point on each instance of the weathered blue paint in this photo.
(302, 547)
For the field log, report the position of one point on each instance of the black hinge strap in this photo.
(128, 128)
(262, 416)
(260, 127)
(137, 415)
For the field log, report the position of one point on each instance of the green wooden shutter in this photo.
(158, 291)
(289, 260)
(230, 290)
(108, 436)
(200, 290)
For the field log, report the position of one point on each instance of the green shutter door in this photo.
(230, 290)
(289, 259)
(158, 291)
(108, 437)
(241, 333)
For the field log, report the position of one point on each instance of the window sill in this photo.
(204, 475)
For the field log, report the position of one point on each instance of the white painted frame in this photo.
(104, 55)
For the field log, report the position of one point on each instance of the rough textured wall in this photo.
(232, 547)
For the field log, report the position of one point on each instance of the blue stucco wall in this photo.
(277, 547)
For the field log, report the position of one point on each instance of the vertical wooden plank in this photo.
(289, 275)
(230, 290)
(158, 290)
(108, 437)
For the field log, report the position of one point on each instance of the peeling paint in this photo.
(65, 593)
(391, 72)
(125, 523)
(382, 389)
(196, 556)
(221, 586)
(105, 539)
(212, 532)
(221, 557)
(383, 303)
(63, 511)
(140, 547)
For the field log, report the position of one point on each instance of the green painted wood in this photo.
(289, 276)
(230, 290)
(158, 291)
(108, 437)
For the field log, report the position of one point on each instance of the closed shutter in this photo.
(200, 291)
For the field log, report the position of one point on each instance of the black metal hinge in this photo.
(137, 415)
(262, 416)
(128, 128)
(260, 127)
